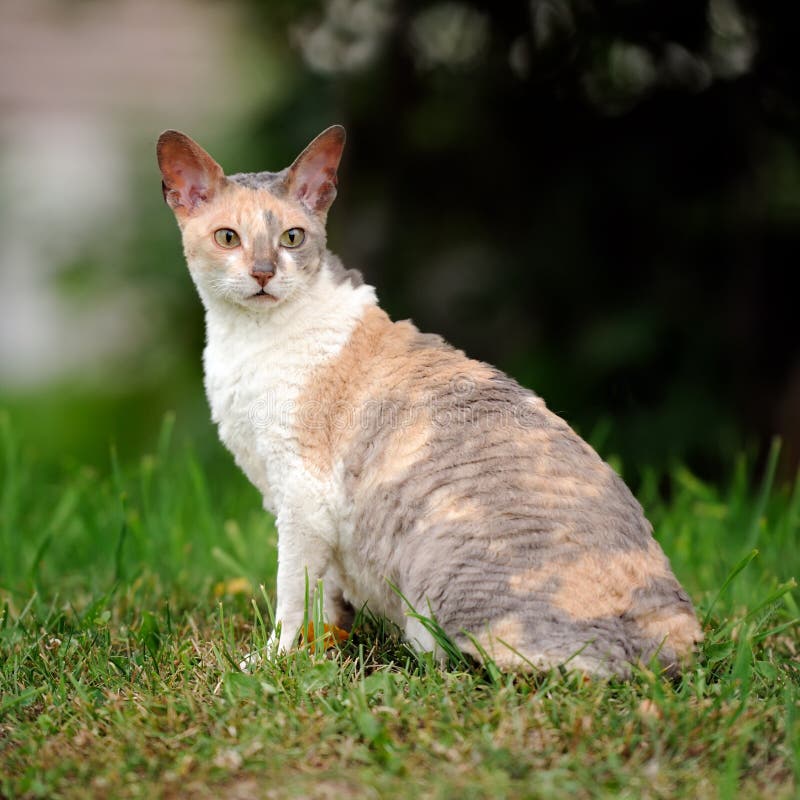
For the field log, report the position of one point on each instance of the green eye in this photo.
(294, 237)
(225, 237)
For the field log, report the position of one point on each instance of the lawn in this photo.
(128, 594)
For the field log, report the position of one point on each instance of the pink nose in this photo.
(262, 276)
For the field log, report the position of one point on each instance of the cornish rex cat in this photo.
(394, 462)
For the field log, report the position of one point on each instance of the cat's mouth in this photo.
(263, 296)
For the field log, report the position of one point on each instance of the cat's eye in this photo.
(294, 237)
(225, 237)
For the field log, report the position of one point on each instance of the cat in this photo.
(402, 473)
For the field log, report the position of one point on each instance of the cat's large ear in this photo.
(312, 178)
(190, 177)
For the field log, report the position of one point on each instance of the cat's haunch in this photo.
(398, 469)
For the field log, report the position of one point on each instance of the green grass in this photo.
(128, 596)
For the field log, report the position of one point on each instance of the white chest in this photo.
(252, 397)
(255, 370)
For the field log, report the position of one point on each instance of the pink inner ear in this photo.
(313, 178)
(315, 184)
(191, 185)
(189, 174)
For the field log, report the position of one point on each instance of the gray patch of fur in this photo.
(339, 273)
(273, 182)
(263, 249)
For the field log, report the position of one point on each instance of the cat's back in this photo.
(397, 407)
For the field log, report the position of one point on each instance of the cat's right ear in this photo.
(189, 176)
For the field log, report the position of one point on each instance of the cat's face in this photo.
(251, 248)
(251, 240)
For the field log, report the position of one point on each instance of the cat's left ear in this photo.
(190, 177)
(312, 178)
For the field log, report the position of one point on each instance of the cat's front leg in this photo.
(298, 555)
(294, 564)
(306, 543)
(304, 554)
(336, 610)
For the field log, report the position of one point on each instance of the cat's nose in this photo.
(262, 274)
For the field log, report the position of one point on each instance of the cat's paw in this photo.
(278, 644)
(252, 661)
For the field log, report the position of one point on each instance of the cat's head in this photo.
(254, 240)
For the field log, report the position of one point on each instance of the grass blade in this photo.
(742, 565)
